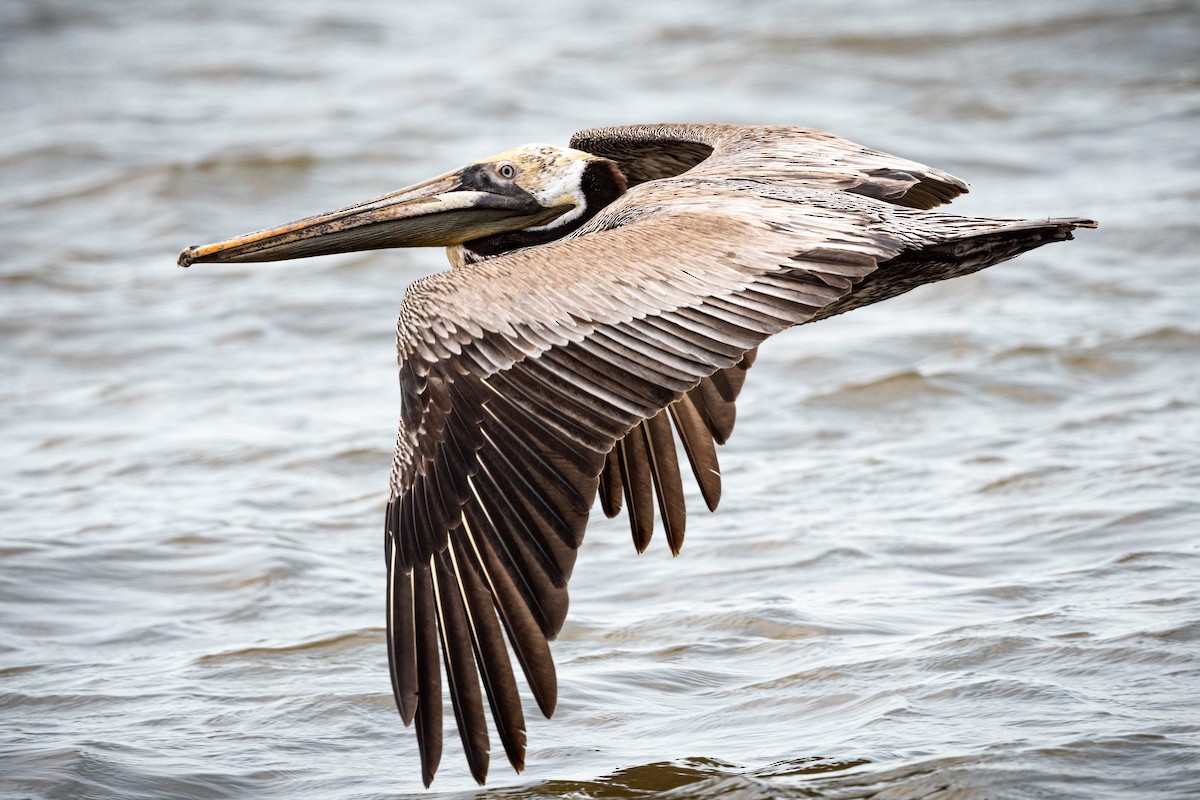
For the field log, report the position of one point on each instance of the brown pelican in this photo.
(605, 298)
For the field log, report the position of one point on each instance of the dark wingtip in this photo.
(408, 709)
(546, 695)
(1073, 222)
(1069, 224)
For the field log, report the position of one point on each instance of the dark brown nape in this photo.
(646, 159)
(602, 183)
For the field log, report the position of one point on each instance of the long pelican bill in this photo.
(439, 212)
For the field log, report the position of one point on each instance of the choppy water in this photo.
(958, 552)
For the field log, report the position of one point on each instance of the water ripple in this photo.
(956, 553)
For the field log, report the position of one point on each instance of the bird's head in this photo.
(522, 197)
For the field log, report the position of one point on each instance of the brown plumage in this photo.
(554, 366)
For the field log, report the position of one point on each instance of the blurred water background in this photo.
(957, 555)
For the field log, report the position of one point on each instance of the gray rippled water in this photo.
(957, 555)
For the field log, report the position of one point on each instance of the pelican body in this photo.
(605, 303)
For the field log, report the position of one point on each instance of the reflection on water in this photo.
(957, 553)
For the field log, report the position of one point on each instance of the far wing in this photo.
(788, 156)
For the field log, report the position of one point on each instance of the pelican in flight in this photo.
(605, 303)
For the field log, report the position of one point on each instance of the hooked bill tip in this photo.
(188, 256)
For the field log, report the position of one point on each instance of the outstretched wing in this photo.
(520, 375)
(778, 154)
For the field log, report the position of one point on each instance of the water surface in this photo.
(957, 554)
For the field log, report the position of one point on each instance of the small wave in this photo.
(1025, 481)
(692, 779)
(328, 644)
(893, 389)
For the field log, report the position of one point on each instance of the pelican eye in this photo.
(506, 171)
